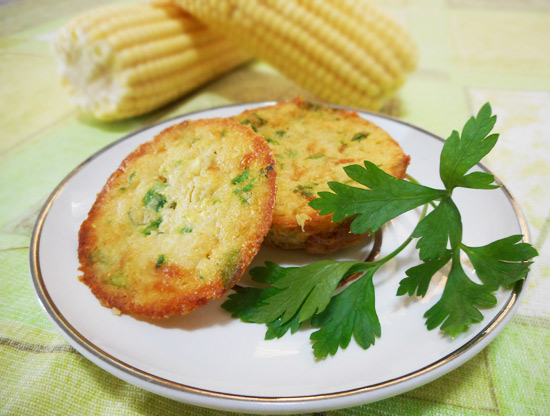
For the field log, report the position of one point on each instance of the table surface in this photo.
(471, 52)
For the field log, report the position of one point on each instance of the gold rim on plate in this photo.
(84, 345)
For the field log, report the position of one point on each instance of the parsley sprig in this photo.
(295, 296)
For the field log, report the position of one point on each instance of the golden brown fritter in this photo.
(180, 220)
(311, 144)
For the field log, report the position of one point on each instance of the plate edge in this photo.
(486, 334)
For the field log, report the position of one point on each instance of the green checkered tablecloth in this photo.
(471, 52)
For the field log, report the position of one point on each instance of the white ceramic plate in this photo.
(208, 359)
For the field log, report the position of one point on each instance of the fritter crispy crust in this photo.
(311, 144)
(180, 220)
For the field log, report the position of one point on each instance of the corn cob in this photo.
(125, 60)
(344, 51)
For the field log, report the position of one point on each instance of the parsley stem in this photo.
(390, 256)
(404, 244)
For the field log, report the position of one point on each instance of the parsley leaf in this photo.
(502, 262)
(462, 152)
(242, 303)
(457, 309)
(294, 295)
(419, 277)
(246, 300)
(439, 227)
(304, 290)
(297, 294)
(387, 198)
(350, 313)
(277, 329)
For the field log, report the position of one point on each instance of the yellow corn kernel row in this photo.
(125, 60)
(345, 51)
